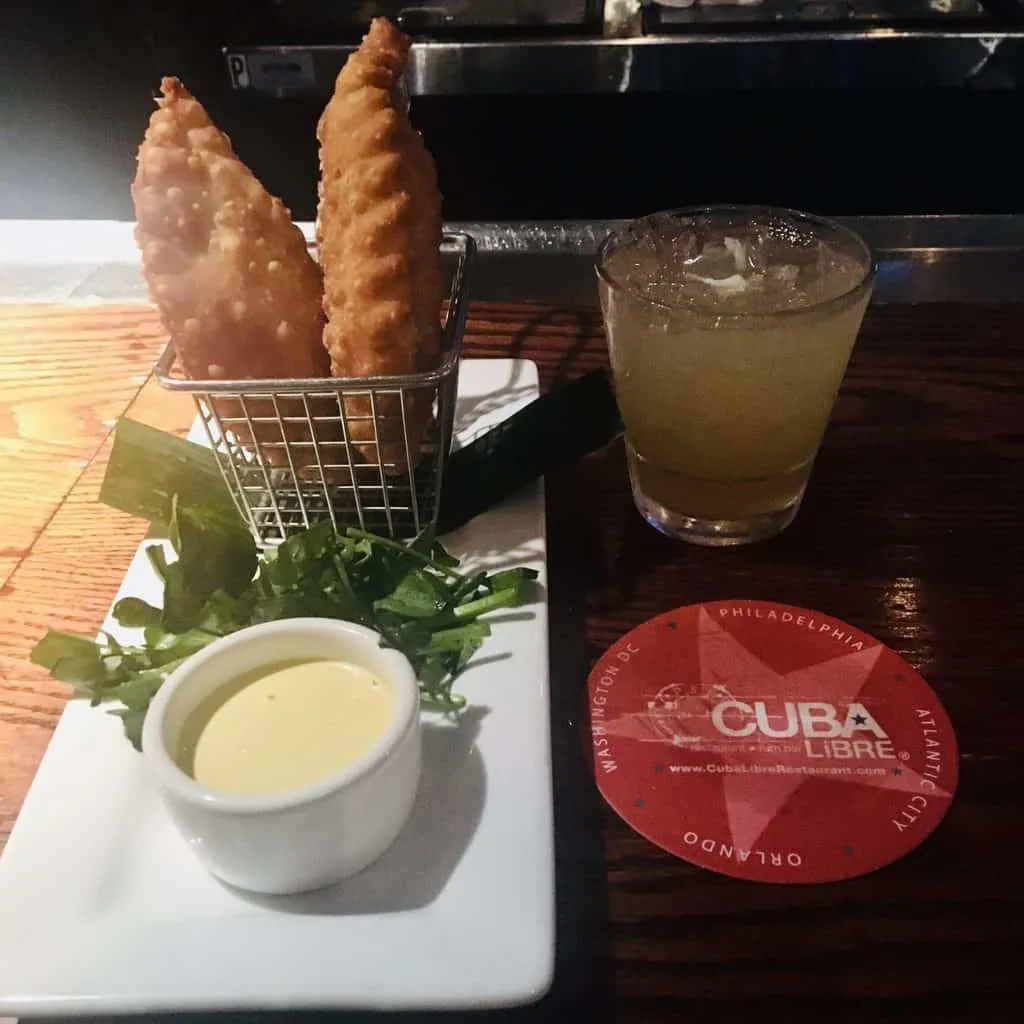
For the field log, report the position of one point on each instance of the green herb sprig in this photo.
(413, 594)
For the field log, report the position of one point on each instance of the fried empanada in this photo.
(230, 273)
(379, 234)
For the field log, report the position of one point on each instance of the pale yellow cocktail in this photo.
(729, 332)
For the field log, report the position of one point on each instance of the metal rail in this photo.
(875, 56)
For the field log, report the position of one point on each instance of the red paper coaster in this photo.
(769, 742)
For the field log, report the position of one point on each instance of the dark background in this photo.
(77, 80)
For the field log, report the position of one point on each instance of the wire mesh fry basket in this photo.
(368, 452)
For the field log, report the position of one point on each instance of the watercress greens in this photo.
(413, 593)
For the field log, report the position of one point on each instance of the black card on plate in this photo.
(554, 430)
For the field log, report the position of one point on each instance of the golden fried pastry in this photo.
(379, 233)
(229, 271)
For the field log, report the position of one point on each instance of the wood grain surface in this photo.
(910, 530)
(66, 374)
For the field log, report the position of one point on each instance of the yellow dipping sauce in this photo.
(285, 726)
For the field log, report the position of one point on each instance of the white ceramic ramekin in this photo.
(304, 838)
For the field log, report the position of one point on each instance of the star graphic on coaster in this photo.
(768, 729)
(753, 802)
(731, 675)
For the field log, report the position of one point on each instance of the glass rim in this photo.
(863, 283)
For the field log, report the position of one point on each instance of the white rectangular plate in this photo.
(103, 909)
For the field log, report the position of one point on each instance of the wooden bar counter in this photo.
(911, 530)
